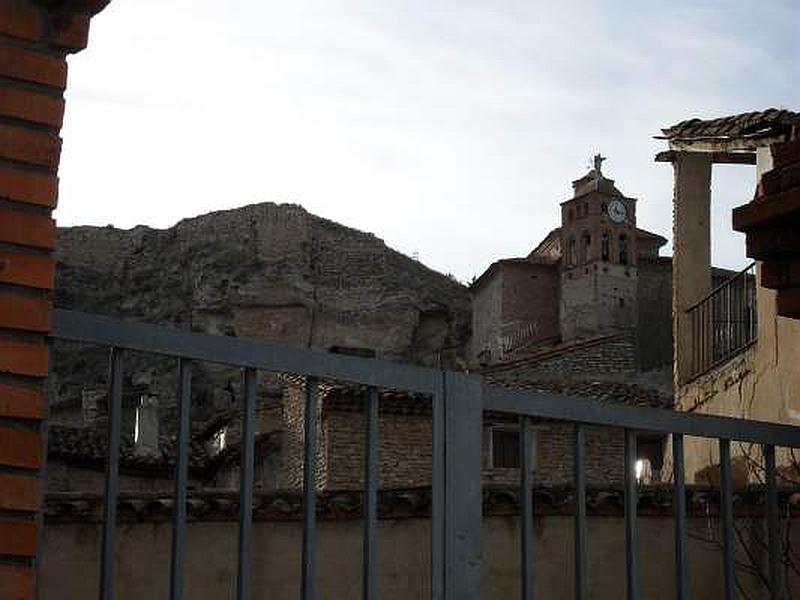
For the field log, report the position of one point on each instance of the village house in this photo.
(737, 342)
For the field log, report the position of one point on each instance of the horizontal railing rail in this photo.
(458, 403)
(748, 270)
(108, 331)
(578, 409)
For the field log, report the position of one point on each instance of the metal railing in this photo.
(723, 323)
(458, 403)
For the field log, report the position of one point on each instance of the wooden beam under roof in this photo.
(728, 158)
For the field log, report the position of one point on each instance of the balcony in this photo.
(724, 323)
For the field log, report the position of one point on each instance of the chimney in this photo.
(89, 406)
(145, 431)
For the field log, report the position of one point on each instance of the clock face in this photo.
(616, 211)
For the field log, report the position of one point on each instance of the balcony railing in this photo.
(724, 323)
(459, 401)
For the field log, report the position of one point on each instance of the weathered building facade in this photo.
(597, 274)
(738, 341)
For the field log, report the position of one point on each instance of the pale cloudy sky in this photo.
(449, 129)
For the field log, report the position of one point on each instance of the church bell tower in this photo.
(598, 258)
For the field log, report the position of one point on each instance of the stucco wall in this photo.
(70, 559)
(762, 383)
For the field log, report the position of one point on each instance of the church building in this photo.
(597, 275)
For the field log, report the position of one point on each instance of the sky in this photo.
(451, 130)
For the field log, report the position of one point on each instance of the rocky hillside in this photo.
(267, 272)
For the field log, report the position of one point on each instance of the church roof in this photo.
(496, 266)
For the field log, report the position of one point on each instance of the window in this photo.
(586, 246)
(605, 246)
(571, 252)
(504, 450)
(623, 249)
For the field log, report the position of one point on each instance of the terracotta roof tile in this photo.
(655, 500)
(751, 124)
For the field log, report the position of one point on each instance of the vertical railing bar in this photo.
(773, 531)
(308, 583)
(631, 501)
(112, 475)
(246, 485)
(681, 574)
(371, 474)
(181, 480)
(726, 518)
(526, 509)
(694, 341)
(437, 493)
(729, 331)
(703, 335)
(581, 584)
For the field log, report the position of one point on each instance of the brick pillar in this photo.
(35, 37)
(691, 262)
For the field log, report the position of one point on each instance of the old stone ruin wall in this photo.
(272, 273)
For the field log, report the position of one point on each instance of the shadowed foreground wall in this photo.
(71, 550)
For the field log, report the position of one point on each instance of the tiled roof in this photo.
(533, 260)
(610, 392)
(654, 500)
(350, 398)
(87, 447)
(752, 124)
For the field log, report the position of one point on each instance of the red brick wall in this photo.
(34, 42)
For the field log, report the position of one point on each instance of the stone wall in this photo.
(606, 357)
(530, 299)
(487, 314)
(515, 303)
(405, 452)
(596, 298)
(654, 320)
(268, 272)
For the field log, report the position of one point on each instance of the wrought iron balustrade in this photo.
(724, 323)
(458, 403)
